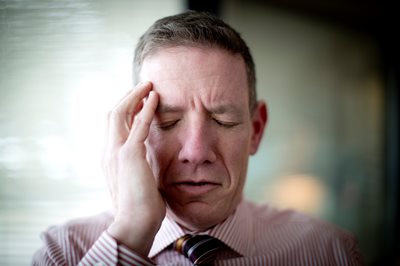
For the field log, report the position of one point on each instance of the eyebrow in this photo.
(166, 108)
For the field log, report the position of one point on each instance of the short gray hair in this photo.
(199, 29)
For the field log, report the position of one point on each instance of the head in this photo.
(208, 121)
(195, 29)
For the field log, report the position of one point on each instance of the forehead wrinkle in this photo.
(163, 108)
(167, 83)
(215, 102)
(225, 109)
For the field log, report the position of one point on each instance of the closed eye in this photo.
(226, 124)
(167, 125)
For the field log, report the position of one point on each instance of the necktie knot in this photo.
(200, 249)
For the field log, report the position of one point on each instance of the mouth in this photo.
(196, 188)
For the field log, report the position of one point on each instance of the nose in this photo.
(198, 144)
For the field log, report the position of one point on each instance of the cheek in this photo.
(235, 151)
(236, 142)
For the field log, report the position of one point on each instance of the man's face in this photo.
(202, 134)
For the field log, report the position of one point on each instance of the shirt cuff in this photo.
(107, 251)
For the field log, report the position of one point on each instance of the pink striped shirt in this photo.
(254, 235)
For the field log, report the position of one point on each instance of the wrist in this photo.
(134, 237)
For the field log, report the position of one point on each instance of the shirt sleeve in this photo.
(59, 249)
(107, 251)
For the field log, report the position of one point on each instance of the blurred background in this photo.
(328, 71)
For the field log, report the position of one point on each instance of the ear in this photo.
(258, 121)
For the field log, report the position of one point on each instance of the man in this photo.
(176, 160)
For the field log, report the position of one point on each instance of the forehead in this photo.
(182, 71)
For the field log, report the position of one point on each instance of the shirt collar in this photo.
(236, 232)
(168, 233)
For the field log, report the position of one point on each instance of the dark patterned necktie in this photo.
(200, 249)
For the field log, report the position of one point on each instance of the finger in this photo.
(130, 91)
(134, 109)
(142, 122)
(123, 99)
(129, 103)
(131, 116)
(121, 116)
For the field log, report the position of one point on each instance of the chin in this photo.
(195, 217)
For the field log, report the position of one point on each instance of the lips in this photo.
(196, 187)
(189, 183)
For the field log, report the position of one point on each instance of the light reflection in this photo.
(304, 193)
